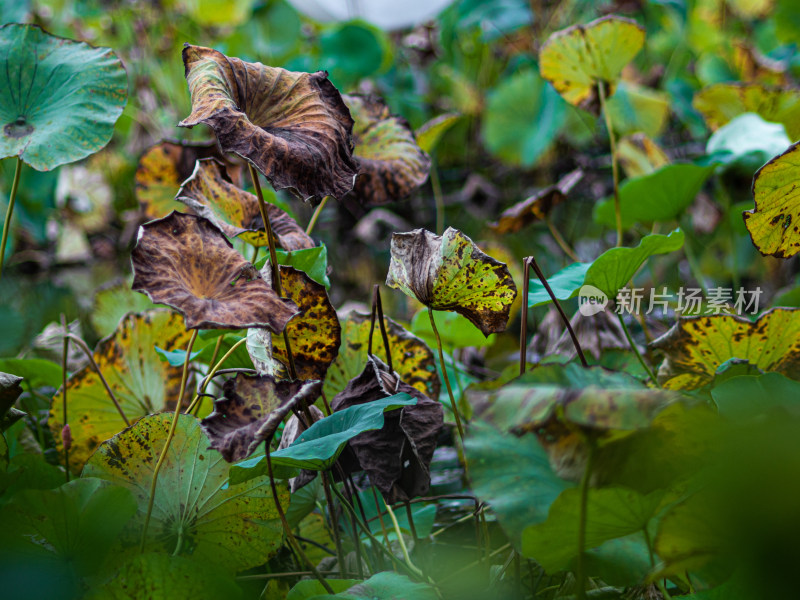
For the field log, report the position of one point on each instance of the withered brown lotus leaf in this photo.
(390, 163)
(537, 207)
(397, 457)
(449, 272)
(185, 262)
(250, 411)
(163, 166)
(315, 335)
(294, 127)
(210, 194)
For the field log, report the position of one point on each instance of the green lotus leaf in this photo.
(696, 346)
(431, 132)
(114, 302)
(390, 163)
(387, 586)
(579, 58)
(210, 194)
(294, 127)
(142, 383)
(412, 359)
(194, 514)
(450, 272)
(60, 98)
(774, 223)
(721, 102)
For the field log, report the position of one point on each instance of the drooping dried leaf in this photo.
(774, 223)
(579, 58)
(142, 383)
(721, 102)
(210, 194)
(537, 207)
(397, 457)
(185, 262)
(294, 127)
(451, 273)
(412, 359)
(195, 514)
(252, 408)
(390, 163)
(315, 335)
(162, 168)
(696, 346)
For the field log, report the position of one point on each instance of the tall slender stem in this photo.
(82, 345)
(523, 333)
(315, 217)
(168, 441)
(402, 542)
(377, 310)
(210, 376)
(63, 385)
(9, 211)
(638, 354)
(562, 243)
(564, 318)
(612, 141)
(326, 486)
(580, 574)
(459, 426)
(273, 259)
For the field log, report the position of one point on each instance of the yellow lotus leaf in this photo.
(142, 383)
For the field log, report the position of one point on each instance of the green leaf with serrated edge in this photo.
(513, 475)
(774, 223)
(450, 272)
(696, 346)
(611, 513)
(235, 528)
(60, 98)
(660, 196)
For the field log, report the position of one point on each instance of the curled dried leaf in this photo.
(294, 127)
(210, 194)
(450, 272)
(538, 206)
(185, 262)
(252, 408)
(390, 163)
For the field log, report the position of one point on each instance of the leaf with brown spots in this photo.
(235, 527)
(579, 58)
(390, 163)
(696, 346)
(142, 383)
(185, 262)
(162, 168)
(537, 207)
(774, 223)
(315, 335)
(411, 357)
(451, 273)
(210, 194)
(722, 102)
(294, 127)
(396, 457)
(251, 410)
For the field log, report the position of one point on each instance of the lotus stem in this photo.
(638, 354)
(377, 309)
(402, 542)
(459, 426)
(379, 510)
(9, 211)
(564, 318)
(326, 485)
(168, 441)
(287, 528)
(580, 573)
(63, 378)
(523, 333)
(315, 216)
(612, 141)
(562, 243)
(210, 376)
(273, 258)
(82, 345)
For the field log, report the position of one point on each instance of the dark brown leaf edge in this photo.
(250, 411)
(293, 127)
(185, 262)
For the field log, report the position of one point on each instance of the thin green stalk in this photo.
(614, 163)
(315, 216)
(402, 542)
(213, 371)
(459, 426)
(9, 211)
(638, 354)
(273, 259)
(168, 441)
(580, 573)
(334, 522)
(63, 382)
